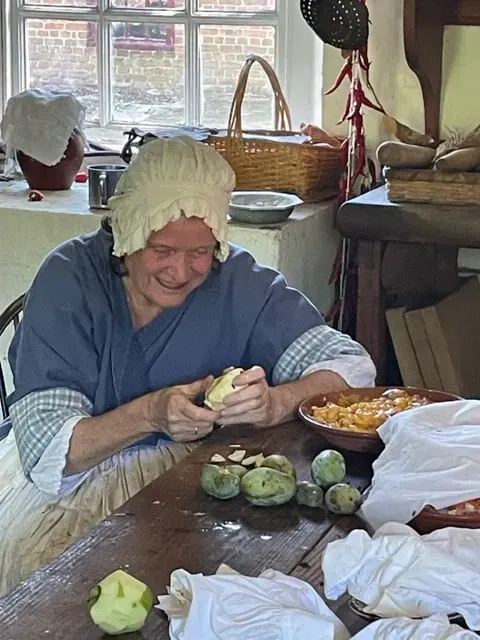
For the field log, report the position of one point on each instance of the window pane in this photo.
(224, 50)
(237, 5)
(64, 3)
(149, 4)
(148, 73)
(62, 56)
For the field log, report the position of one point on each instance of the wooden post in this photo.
(423, 25)
(371, 321)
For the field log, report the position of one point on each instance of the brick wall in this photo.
(150, 69)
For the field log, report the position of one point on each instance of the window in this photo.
(151, 63)
(140, 36)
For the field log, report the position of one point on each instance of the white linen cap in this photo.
(168, 178)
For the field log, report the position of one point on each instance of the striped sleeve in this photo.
(324, 348)
(39, 416)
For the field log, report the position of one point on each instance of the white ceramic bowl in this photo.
(262, 207)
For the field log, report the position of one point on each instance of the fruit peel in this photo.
(237, 456)
(255, 460)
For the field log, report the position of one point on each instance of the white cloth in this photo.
(35, 527)
(167, 178)
(431, 457)
(229, 605)
(40, 123)
(399, 573)
(433, 628)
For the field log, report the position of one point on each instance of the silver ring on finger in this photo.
(196, 431)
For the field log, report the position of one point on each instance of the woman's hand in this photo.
(173, 412)
(252, 405)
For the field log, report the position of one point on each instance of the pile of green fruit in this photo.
(273, 482)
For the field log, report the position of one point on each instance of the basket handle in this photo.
(283, 120)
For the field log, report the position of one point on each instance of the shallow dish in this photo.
(429, 519)
(358, 608)
(262, 207)
(361, 441)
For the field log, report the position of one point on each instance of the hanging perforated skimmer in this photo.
(340, 23)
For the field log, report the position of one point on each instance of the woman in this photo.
(122, 332)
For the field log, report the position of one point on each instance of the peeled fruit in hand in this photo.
(265, 487)
(309, 494)
(219, 482)
(120, 603)
(280, 463)
(221, 388)
(343, 499)
(328, 468)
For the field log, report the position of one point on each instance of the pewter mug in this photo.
(102, 180)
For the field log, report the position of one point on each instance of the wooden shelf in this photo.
(423, 25)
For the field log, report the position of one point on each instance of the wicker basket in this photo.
(310, 171)
(427, 185)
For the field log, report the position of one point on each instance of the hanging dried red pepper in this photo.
(355, 159)
(360, 173)
(346, 72)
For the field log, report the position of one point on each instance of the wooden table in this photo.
(407, 256)
(172, 524)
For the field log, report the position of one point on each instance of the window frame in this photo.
(294, 47)
(133, 43)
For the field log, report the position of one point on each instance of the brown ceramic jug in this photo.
(58, 177)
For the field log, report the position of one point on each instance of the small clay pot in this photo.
(60, 176)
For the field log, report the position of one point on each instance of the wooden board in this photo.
(404, 350)
(172, 524)
(423, 349)
(310, 570)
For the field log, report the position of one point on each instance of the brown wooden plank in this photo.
(160, 530)
(372, 216)
(464, 12)
(371, 320)
(310, 570)
(423, 24)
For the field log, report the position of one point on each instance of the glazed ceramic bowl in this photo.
(429, 519)
(262, 207)
(364, 442)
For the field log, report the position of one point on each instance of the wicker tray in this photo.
(426, 185)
